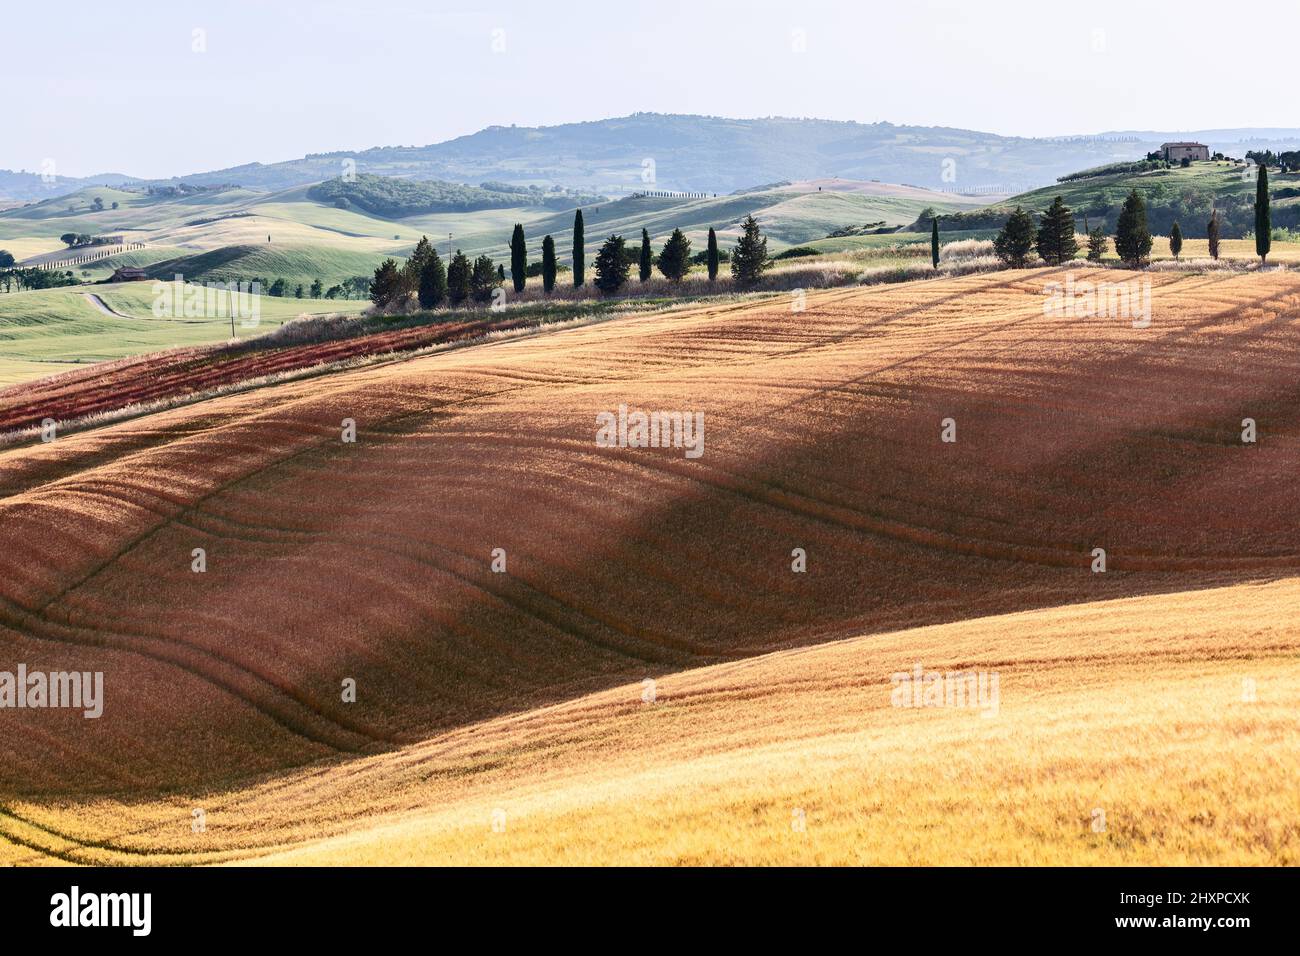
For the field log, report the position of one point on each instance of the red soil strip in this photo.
(178, 373)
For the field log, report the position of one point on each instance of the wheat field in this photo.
(1146, 714)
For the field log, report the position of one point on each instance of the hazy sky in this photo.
(123, 87)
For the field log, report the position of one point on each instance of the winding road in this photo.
(103, 306)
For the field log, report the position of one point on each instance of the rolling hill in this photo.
(20, 186)
(204, 221)
(1186, 195)
(719, 154)
(797, 757)
(790, 214)
(707, 154)
(48, 331)
(522, 691)
(295, 263)
(303, 237)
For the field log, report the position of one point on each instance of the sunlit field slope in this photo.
(520, 690)
(1148, 730)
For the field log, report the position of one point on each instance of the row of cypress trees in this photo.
(1055, 242)
(434, 283)
(748, 261)
(1053, 238)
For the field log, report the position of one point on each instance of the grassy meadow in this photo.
(1185, 194)
(46, 331)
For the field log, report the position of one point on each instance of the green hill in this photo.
(211, 220)
(293, 263)
(50, 330)
(137, 213)
(1183, 194)
(135, 259)
(225, 234)
(393, 198)
(790, 215)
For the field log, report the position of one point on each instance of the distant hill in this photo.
(394, 198)
(377, 216)
(711, 154)
(717, 154)
(23, 186)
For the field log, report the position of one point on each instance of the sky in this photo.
(158, 88)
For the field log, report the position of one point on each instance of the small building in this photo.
(127, 274)
(1177, 152)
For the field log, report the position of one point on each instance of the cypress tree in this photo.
(414, 267)
(611, 266)
(1055, 240)
(1263, 219)
(934, 241)
(713, 256)
(518, 258)
(1175, 239)
(484, 279)
(1132, 238)
(458, 278)
(749, 258)
(384, 290)
(1212, 231)
(647, 259)
(675, 259)
(1016, 239)
(548, 264)
(433, 281)
(1097, 243)
(579, 256)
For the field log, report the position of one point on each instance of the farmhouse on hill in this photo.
(127, 274)
(1177, 152)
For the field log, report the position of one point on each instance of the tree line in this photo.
(1287, 160)
(355, 287)
(394, 198)
(31, 278)
(1054, 236)
(433, 282)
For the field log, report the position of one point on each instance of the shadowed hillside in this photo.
(1130, 712)
(371, 561)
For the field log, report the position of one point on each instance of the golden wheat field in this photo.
(649, 680)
